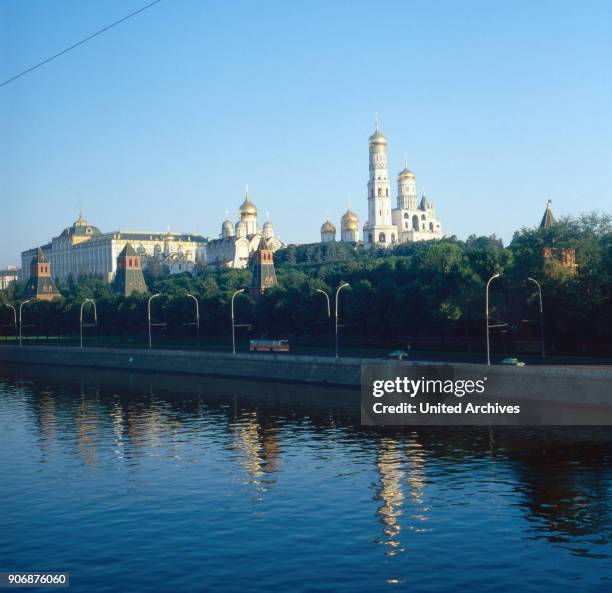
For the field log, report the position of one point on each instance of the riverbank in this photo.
(579, 385)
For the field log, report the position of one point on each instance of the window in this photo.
(431, 227)
(406, 215)
(387, 192)
(423, 217)
(370, 238)
(392, 237)
(380, 191)
(381, 238)
(415, 223)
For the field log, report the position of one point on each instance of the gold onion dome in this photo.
(227, 224)
(377, 138)
(350, 221)
(406, 173)
(328, 227)
(247, 207)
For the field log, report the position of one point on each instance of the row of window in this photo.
(380, 195)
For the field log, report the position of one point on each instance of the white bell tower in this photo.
(380, 229)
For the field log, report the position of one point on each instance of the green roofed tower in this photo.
(40, 284)
(548, 220)
(128, 277)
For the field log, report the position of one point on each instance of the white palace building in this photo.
(82, 249)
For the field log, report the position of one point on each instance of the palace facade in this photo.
(82, 249)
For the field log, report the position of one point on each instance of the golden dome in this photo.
(406, 173)
(328, 227)
(247, 207)
(349, 215)
(377, 138)
(349, 220)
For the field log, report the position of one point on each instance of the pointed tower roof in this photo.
(40, 257)
(424, 205)
(127, 251)
(548, 220)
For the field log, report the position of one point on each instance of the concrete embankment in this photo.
(579, 385)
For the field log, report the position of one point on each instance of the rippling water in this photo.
(138, 483)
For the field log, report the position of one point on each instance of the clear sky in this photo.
(162, 120)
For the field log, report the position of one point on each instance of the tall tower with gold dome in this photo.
(381, 230)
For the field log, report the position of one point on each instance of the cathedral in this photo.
(236, 243)
(411, 220)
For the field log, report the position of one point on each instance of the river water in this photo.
(144, 482)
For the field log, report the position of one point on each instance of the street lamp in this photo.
(342, 285)
(541, 315)
(487, 316)
(20, 307)
(197, 321)
(328, 308)
(81, 316)
(233, 325)
(149, 315)
(14, 316)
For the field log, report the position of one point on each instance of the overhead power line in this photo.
(65, 51)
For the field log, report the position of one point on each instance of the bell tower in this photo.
(380, 229)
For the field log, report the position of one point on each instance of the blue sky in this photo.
(162, 120)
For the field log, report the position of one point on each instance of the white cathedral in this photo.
(408, 222)
(237, 242)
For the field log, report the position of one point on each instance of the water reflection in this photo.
(258, 449)
(553, 484)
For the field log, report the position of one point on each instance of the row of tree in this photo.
(423, 291)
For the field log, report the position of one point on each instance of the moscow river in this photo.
(155, 483)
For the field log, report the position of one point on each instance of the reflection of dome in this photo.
(328, 227)
(247, 207)
(377, 138)
(406, 174)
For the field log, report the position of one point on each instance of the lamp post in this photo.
(342, 285)
(149, 316)
(81, 316)
(197, 321)
(487, 316)
(541, 315)
(233, 325)
(14, 316)
(21, 307)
